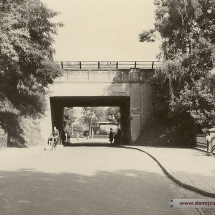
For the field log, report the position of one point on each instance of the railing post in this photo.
(98, 65)
(117, 65)
(61, 64)
(80, 65)
(152, 64)
(135, 64)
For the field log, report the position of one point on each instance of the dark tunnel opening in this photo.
(58, 103)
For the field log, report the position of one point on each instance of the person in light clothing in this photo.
(55, 134)
(209, 139)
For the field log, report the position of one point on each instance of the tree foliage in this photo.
(31, 131)
(184, 84)
(26, 66)
(76, 128)
(113, 115)
(91, 115)
(69, 116)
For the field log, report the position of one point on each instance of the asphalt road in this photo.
(86, 180)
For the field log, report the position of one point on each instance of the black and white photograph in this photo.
(107, 107)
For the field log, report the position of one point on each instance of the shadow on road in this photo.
(123, 192)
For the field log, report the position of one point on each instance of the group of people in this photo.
(115, 138)
(54, 137)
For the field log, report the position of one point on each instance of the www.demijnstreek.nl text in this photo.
(192, 203)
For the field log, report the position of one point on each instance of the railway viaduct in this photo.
(105, 83)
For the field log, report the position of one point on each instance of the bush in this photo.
(103, 132)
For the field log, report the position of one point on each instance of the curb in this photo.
(184, 185)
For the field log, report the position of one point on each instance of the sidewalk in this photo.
(189, 168)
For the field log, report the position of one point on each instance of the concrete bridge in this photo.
(106, 83)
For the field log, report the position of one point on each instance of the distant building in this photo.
(106, 126)
(102, 124)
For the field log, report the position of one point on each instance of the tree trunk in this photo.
(90, 133)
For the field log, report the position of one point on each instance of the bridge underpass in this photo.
(123, 84)
(59, 102)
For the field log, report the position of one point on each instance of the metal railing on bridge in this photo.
(107, 65)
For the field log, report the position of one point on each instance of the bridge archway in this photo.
(58, 103)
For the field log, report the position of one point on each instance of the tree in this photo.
(26, 66)
(69, 119)
(69, 116)
(90, 116)
(185, 81)
(78, 128)
(113, 115)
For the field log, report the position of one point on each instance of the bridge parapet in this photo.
(104, 71)
(107, 65)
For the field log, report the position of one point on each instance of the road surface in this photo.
(86, 180)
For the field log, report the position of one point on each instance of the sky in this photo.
(103, 30)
